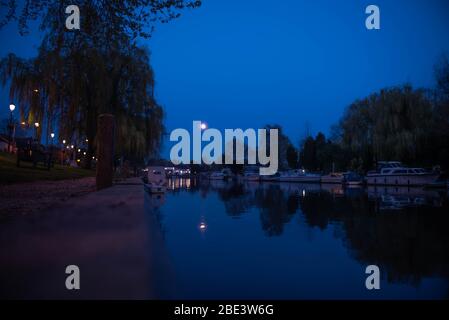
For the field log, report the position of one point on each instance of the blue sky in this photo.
(245, 64)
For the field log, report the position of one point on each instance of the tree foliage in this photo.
(124, 18)
(80, 74)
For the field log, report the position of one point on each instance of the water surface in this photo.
(303, 241)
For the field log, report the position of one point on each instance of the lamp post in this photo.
(63, 152)
(52, 135)
(11, 126)
(36, 125)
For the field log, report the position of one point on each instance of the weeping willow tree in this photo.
(68, 93)
(392, 124)
(78, 75)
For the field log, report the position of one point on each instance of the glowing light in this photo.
(78, 160)
(79, 150)
(84, 152)
(12, 107)
(203, 126)
(23, 123)
(72, 146)
(36, 90)
(63, 141)
(202, 226)
(36, 124)
(52, 135)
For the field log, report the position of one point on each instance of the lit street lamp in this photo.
(11, 126)
(36, 126)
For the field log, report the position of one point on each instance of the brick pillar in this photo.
(105, 150)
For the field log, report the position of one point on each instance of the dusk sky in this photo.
(249, 63)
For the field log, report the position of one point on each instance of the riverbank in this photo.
(11, 174)
(108, 234)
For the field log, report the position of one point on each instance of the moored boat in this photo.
(299, 175)
(224, 174)
(333, 177)
(156, 180)
(394, 173)
(251, 174)
(272, 178)
(352, 179)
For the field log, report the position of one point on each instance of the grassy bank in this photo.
(10, 173)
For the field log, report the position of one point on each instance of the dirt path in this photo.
(24, 198)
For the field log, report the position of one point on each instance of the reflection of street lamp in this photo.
(11, 126)
(52, 135)
(203, 225)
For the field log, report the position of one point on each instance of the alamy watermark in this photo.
(72, 282)
(372, 22)
(72, 22)
(373, 280)
(260, 148)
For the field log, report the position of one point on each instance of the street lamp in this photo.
(12, 107)
(36, 126)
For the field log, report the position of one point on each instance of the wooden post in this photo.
(105, 151)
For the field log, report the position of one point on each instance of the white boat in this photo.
(272, 178)
(251, 174)
(333, 177)
(224, 174)
(394, 173)
(299, 175)
(352, 179)
(217, 175)
(156, 180)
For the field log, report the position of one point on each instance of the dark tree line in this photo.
(398, 123)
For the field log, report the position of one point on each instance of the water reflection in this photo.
(402, 230)
(396, 198)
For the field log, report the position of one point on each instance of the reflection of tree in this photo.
(236, 198)
(407, 245)
(276, 208)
